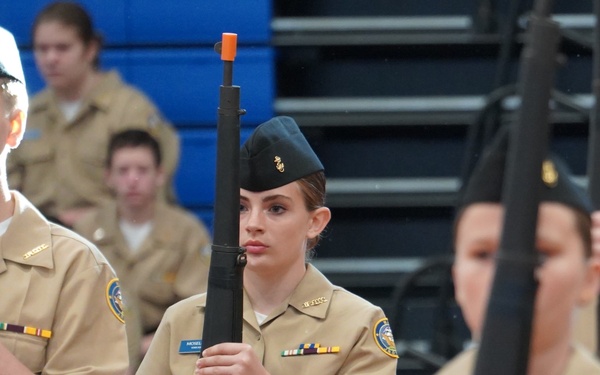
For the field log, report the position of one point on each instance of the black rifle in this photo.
(223, 317)
(506, 334)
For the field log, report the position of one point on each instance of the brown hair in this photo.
(14, 95)
(70, 14)
(313, 190)
(132, 138)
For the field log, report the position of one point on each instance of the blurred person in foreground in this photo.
(567, 273)
(61, 310)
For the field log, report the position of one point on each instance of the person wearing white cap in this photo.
(61, 310)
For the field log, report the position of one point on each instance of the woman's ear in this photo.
(319, 220)
(17, 127)
(591, 282)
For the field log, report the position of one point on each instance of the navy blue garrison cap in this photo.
(275, 155)
(485, 183)
(10, 62)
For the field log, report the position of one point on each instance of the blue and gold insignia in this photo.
(115, 299)
(382, 333)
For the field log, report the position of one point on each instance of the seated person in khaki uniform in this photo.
(290, 309)
(61, 309)
(567, 275)
(160, 252)
(60, 164)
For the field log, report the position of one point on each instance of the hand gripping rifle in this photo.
(506, 335)
(223, 315)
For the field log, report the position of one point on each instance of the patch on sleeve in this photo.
(382, 333)
(115, 299)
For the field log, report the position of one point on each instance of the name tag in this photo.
(190, 346)
(32, 134)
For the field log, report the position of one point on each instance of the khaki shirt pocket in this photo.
(93, 153)
(37, 160)
(158, 291)
(30, 350)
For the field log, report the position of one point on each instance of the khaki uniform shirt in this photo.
(60, 164)
(586, 326)
(317, 312)
(54, 280)
(581, 363)
(171, 264)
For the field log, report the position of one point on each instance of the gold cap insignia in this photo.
(279, 164)
(549, 174)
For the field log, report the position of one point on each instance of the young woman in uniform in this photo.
(295, 320)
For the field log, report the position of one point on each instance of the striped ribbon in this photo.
(26, 330)
(306, 349)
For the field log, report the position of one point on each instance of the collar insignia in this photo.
(34, 251)
(314, 302)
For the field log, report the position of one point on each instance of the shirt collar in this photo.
(32, 246)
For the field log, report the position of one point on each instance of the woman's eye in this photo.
(484, 255)
(277, 209)
(243, 208)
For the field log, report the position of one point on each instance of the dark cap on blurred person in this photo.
(10, 62)
(275, 155)
(485, 183)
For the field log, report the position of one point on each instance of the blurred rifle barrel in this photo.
(506, 335)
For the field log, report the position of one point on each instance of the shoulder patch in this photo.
(115, 299)
(382, 333)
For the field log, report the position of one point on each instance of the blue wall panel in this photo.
(126, 22)
(195, 179)
(199, 21)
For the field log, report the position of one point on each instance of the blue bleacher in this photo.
(166, 50)
(144, 22)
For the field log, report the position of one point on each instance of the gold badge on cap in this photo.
(549, 174)
(279, 164)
